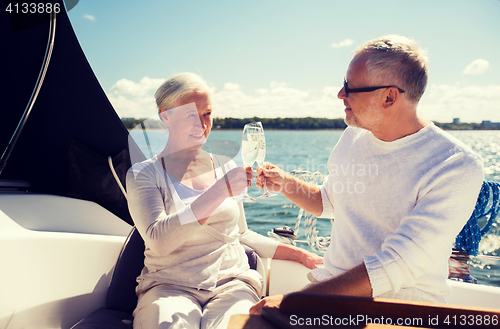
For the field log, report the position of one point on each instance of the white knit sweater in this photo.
(397, 207)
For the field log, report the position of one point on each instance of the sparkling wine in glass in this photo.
(261, 155)
(249, 149)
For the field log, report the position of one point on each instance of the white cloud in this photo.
(441, 103)
(133, 107)
(231, 86)
(278, 100)
(141, 88)
(343, 43)
(479, 66)
(470, 103)
(89, 17)
(135, 99)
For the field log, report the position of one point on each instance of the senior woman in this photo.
(196, 272)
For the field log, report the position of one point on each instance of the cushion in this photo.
(252, 257)
(121, 298)
(106, 319)
(121, 294)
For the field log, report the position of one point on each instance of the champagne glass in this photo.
(250, 149)
(261, 155)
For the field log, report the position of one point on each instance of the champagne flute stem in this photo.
(266, 193)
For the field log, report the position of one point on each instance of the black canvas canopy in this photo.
(72, 127)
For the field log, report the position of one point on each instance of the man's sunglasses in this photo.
(365, 89)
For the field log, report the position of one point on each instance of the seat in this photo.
(121, 298)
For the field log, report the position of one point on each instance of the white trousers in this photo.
(171, 306)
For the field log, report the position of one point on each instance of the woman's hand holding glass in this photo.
(237, 180)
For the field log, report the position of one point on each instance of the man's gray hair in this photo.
(179, 87)
(397, 60)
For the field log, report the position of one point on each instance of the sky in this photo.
(288, 58)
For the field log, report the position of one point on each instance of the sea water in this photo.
(309, 150)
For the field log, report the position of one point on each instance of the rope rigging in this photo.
(467, 241)
(487, 205)
(289, 236)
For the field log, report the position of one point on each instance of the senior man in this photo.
(399, 188)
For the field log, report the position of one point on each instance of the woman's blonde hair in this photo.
(178, 88)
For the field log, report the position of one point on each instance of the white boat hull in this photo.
(50, 278)
(58, 254)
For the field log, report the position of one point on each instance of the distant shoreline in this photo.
(307, 123)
